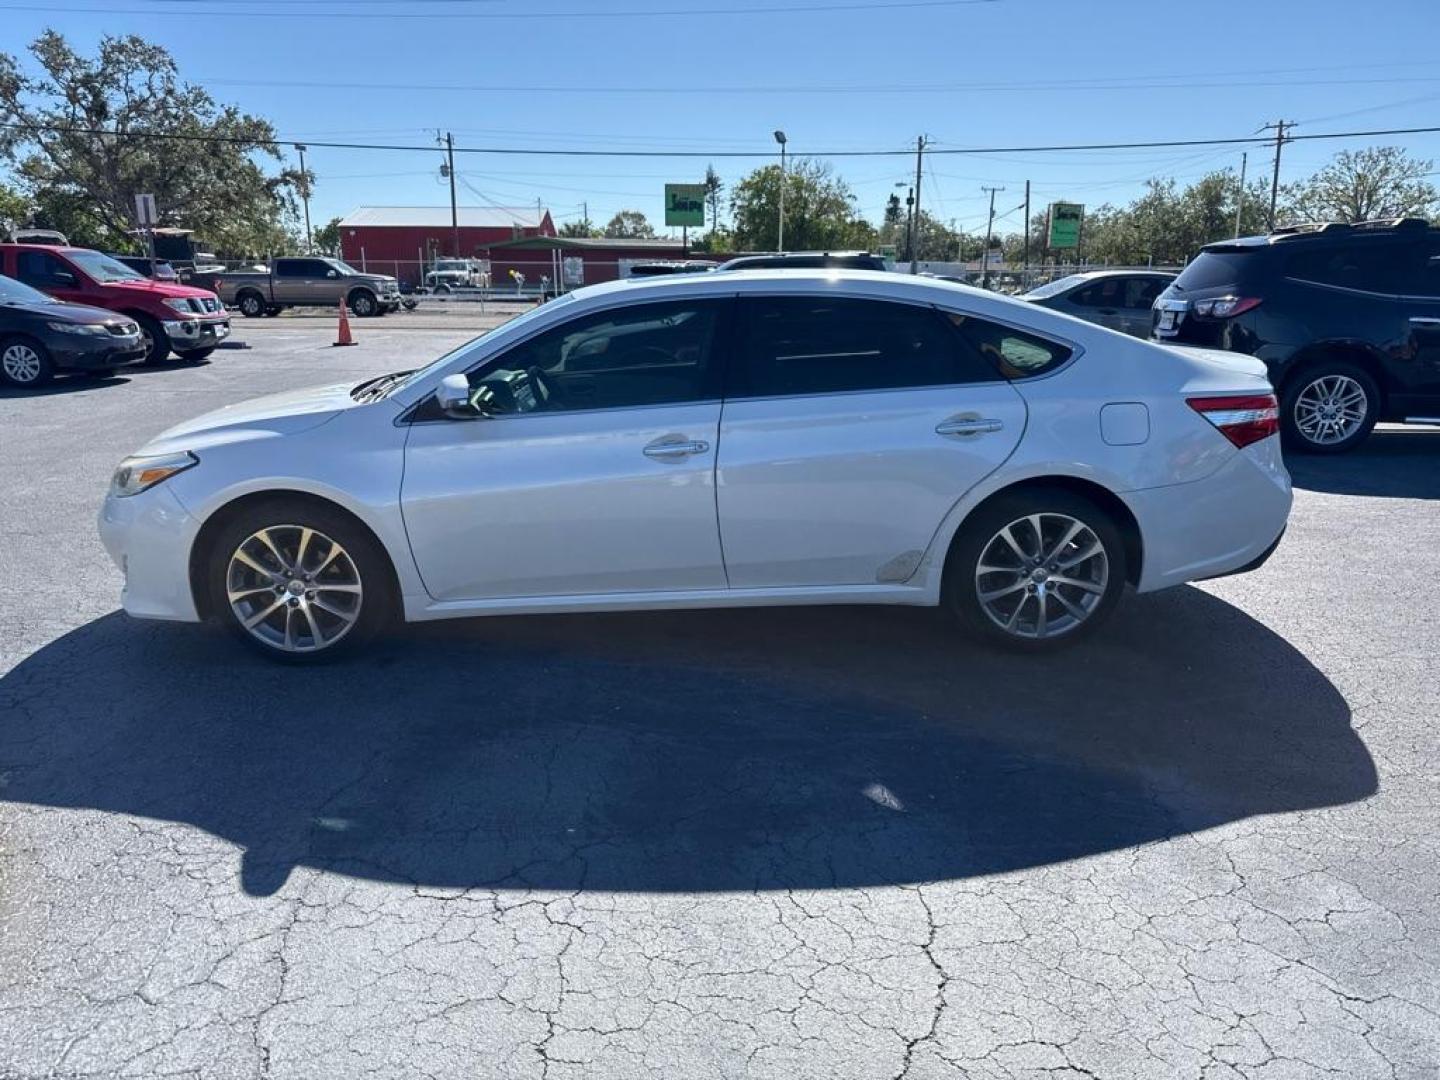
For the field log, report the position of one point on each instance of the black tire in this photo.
(157, 342)
(364, 304)
(442, 290)
(195, 356)
(961, 591)
(377, 603)
(1295, 436)
(251, 304)
(29, 366)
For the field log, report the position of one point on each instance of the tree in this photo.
(326, 239)
(85, 143)
(15, 209)
(582, 229)
(1361, 185)
(713, 188)
(819, 210)
(629, 225)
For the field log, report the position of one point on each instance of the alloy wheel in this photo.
(1331, 409)
(21, 363)
(293, 588)
(1042, 576)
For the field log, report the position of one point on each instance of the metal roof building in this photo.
(400, 240)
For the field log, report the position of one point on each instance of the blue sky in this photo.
(711, 76)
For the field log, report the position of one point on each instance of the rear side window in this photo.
(1218, 269)
(827, 345)
(1105, 293)
(1373, 268)
(1016, 354)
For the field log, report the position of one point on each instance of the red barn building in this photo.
(401, 240)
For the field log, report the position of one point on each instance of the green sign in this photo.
(887, 251)
(1065, 221)
(685, 204)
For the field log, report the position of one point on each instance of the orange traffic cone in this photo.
(343, 337)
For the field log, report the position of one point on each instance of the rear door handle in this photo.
(662, 450)
(1424, 320)
(968, 427)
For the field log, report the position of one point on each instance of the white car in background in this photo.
(754, 438)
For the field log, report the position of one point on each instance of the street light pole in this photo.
(305, 197)
(780, 138)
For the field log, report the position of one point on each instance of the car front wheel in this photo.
(1035, 570)
(1329, 409)
(25, 363)
(299, 582)
(364, 304)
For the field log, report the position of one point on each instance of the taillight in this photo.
(1241, 419)
(1225, 307)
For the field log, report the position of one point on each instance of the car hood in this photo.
(160, 289)
(263, 417)
(60, 311)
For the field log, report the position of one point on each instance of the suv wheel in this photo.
(364, 304)
(1035, 570)
(1329, 409)
(157, 342)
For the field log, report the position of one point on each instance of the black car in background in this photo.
(1346, 318)
(1119, 299)
(40, 336)
(808, 260)
(158, 269)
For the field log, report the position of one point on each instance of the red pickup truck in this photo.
(190, 321)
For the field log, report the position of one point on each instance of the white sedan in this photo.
(768, 437)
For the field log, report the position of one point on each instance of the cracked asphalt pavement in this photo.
(828, 843)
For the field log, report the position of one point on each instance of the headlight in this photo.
(136, 474)
(77, 328)
(179, 303)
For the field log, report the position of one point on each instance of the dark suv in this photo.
(1346, 317)
(808, 260)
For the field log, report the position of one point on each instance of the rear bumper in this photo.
(1227, 523)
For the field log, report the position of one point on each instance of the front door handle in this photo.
(973, 426)
(662, 450)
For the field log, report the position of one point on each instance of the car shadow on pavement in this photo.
(65, 384)
(1389, 464)
(675, 752)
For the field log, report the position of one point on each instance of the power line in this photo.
(1246, 140)
(491, 16)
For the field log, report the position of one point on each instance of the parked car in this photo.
(1345, 317)
(306, 281)
(661, 267)
(172, 317)
(448, 274)
(884, 440)
(1119, 299)
(808, 260)
(40, 336)
(158, 269)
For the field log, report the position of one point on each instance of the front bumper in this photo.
(1227, 523)
(95, 353)
(148, 537)
(186, 335)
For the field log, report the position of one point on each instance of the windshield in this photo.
(102, 267)
(15, 292)
(520, 320)
(1055, 287)
(343, 267)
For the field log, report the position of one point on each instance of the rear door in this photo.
(851, 427)
(1420, 304)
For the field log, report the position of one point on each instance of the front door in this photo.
(851, 428)
(592, 470)
(51, 274)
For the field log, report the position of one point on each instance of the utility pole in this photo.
(915, 221)
(1026, 278)
(985, 251)
(450, 172)
(585, 214)
(780, 241)
(1240, 195)
(1279, 126)
(304, 197)
(909, 223)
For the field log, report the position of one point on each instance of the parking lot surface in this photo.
(776, 843)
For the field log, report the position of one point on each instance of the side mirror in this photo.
(332, 273)
(63, 277)
(453, 397)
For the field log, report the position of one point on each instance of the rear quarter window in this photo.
(1014, 353)
(1219, 269)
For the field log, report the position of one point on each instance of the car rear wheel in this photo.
(194, 356)
(299, 582)
(25, 362)
(252, 305)
(1329, 409)
(157, 342)
(1035, 570)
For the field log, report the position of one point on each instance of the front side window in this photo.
(1016, 354)
(1105, 293)
(43, 270)
(645, 354)
(801, 345)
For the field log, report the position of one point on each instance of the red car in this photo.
(191, 322)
